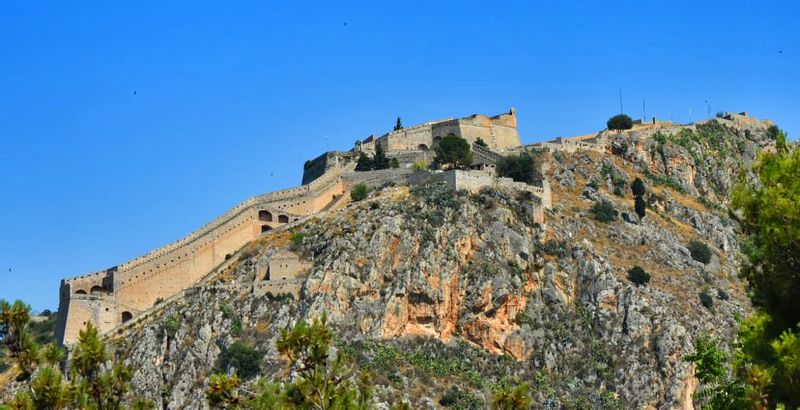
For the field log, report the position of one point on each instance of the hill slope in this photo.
(442, 295)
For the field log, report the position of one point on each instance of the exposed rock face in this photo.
(431, 289)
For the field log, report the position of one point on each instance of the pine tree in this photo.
(399, 125)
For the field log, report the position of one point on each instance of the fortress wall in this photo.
(374, 179)
(100, 310)
(162, 273)
(291, 286)
(444, 128)
(408, 138)
(141, 293)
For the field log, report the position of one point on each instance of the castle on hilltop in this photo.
(112, 297)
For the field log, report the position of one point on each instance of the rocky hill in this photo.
(442, 294)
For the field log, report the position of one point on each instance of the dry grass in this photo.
(8, 376)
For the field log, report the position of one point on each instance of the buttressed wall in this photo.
(113, 296)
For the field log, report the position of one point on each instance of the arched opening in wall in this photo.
(96, 289)
(265, 216)
(80, 292)
(126, 316)
(422, 147)
(265, 228)
(283, 219)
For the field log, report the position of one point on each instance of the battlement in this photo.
(116, 295)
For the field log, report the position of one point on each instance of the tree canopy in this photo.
(620, 122)
(453, 151)
(520, 168)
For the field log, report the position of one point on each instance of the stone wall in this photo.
(474, 181)
(134, 286)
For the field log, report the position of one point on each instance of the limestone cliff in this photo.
(438, 292)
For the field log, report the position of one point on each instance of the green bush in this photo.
(359, 192)
(420, 165)
(227, 311)
(700, 251)
(454, 151)
(481, 142)
(638, 276)
(520, 168)
(706, 299)
(620, 122)
(242, 357)
(604, 211)
(297, 240)
(171, 324)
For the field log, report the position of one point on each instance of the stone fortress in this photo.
(121, 295)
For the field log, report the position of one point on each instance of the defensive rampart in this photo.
(116, 295)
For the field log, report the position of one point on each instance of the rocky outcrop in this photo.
(433, 290)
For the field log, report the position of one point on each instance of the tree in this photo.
(14, 325)
(322, 381)
(481, 142)
(620, 122)
(767, 361)
(379, 160)
(637, 187)
(604, 211)
(638, 276)
(94, 382)
(364, 163)
(399, 125)
(520, 168)
(640, 206)
(453, 151)
(770, 213)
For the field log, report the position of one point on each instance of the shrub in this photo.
(481, 142)
(700, 251)
(171, 324)
(706, 299)
(638, 276)
(297, 240)
(227, 311)
(519, 168)
(640, 207)
(359, 192)
(453, 150)
(620, 122)
(604, 211)
(637, 187)
(593, 184)
(242, 357)
(722, 294)
(420, 165)
(395, 163)
(236, 327)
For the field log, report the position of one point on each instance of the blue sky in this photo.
(231, 98)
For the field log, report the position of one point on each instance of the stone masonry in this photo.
(111, 297)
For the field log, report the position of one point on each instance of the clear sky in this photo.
(125, 126)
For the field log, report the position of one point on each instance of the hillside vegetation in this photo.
(452, 299)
